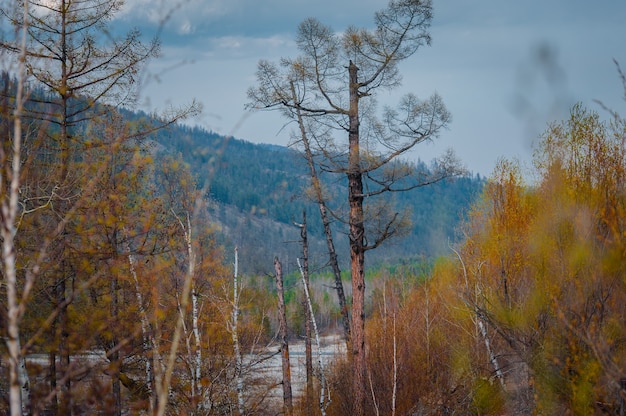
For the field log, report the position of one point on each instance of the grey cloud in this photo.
(246, 17)
(478, 51)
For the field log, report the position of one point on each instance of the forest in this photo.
(154, 268)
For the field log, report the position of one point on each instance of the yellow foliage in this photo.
(546, 264)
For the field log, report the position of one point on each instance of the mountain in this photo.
(256, 194)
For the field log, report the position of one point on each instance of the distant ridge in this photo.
(257, 193)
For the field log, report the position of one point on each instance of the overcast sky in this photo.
(504, 68)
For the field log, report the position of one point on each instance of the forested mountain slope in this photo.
(257, 192)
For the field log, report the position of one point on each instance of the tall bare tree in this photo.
(343, 101)
(320, 199)
(304, 271)
(284, 344)
(309, 316)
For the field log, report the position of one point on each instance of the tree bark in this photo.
(147, 337)
(284, 345)
(52, 377)
(308, 312)
(235, 336)
(481, 324)
(19, 387)
(115, 355)
(357, 248)
(321, 203)
(64, 352)
(197, 365)
(320, 362)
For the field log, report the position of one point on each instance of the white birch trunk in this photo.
(188, 288)
(481, 327)
(196, 335)
(19, 387)
(194, 365)
(492, 357)
(196, 372)
(235, 337)
(146, 338)
(190, 354)
(197, 376)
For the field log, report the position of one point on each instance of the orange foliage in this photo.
(528, 316)
(547, 265)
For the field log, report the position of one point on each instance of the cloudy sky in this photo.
(504, 68)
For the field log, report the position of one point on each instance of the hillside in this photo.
(257, 193)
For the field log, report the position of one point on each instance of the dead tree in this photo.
(284, 344)
(315, 86)
(304, 269)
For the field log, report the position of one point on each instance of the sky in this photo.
(504, 68)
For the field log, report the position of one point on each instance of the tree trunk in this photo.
(308, 314)
(64, 351)
(16, 383)
(115, 355)
(19, 387)
(357, 248)
(196, 375)
(332, 254)
(481, 324)
(198, 347)
(146, 333)
(235, 336)
(284, 345)
(52, 377)
(323, 386)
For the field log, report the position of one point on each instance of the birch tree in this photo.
(345, 102)
(235, 337)
(10, 185)
(195, 354)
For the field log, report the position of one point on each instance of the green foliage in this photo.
(487, 398)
